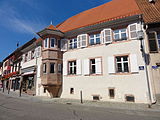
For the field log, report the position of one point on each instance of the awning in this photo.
(28, 73)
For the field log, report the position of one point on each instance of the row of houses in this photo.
(108, 53)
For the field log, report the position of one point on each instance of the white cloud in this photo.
(11, 19)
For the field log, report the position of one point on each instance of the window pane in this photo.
(75, 43)
(97, 40)
(97, 35)
(123, 30)
(46, 42)
(125, 58)
(116, 31)
(116, 37)
(44, 68)
(119, 67)
(126, 67)
(124, 36)
(91, 41)
(52, 42)
(118, 59)
(133, 27)
(133, 34)
(158, 36)
(52, 68)
(93, 69)
(91, 36)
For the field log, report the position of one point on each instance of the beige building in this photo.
(107, 56)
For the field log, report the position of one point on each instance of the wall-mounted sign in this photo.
(154, 67)
(141, 67)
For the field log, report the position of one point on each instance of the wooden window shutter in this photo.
(107, 35)
(111, 65)
(78, 41)
(133, 30)
(38, 71)
(134, 63)
(23, 58)
(86, 67)
(29, 56)
(102, 37)
(84, 40)
(98, 62)
(36, 53)
(65, 68)
(64, 45)
(79, 67)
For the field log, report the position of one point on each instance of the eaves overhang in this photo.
(46, 31)
(101, 26)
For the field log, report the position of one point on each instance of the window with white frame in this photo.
(73, 43)
(32, 54)
(52, 42)
(92, 66)
(94, 39)
(133, 29)
(72, 67)
(158, 38)
(120, 34)
(59, 68)
(26, 57)
(46, 43)
(44, 68)
(122, 64)
(39, 51)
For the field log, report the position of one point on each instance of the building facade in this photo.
(108, 53)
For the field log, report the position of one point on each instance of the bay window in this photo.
(72, 67)
(120, 34)
(122, 64)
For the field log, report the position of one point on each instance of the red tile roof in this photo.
(52, 27)
(151, 11)
(109, 11)
(39, 40)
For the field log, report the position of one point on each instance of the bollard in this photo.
(81, 97)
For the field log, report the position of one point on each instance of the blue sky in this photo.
(21, 19)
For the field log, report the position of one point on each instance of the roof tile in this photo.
(109, 11)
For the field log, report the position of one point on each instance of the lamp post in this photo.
(145, 56)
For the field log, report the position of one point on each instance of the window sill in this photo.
(73, 75)
(123, 41)
(95, 74)
(129, 73)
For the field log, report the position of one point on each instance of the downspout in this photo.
(146, 62)
(35, 82)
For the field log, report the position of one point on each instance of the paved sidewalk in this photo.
(102, 104)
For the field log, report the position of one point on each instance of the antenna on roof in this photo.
(17, 44)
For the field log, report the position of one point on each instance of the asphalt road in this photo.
(20, 109)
